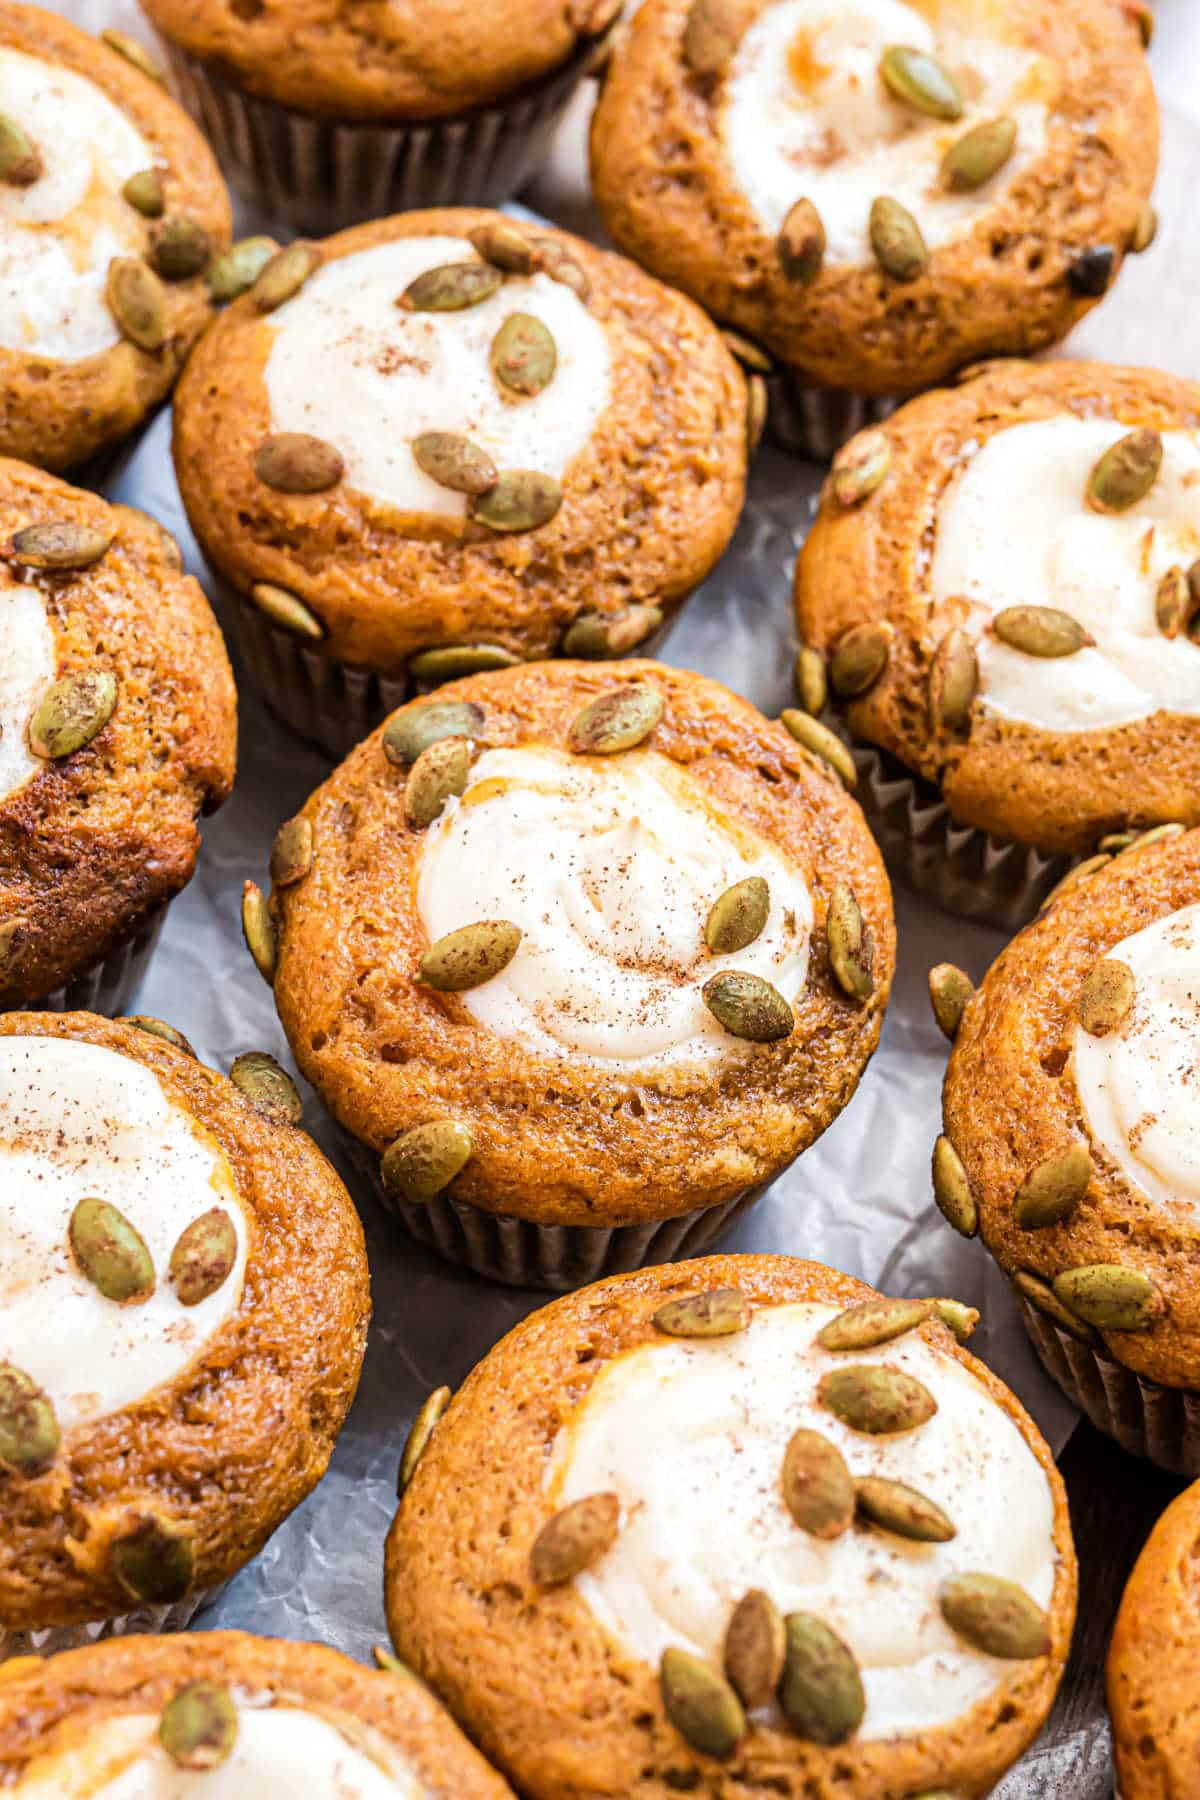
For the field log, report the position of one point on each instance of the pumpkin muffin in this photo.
(1152, 1663)
(330, 112)
(111, 211)
(185, 1311)
(739, 1524)
(586, 955)
(1004, 582)
(445, 443)
(118, 728)
(226, 1714)
(880, 191)
(1070, 1144)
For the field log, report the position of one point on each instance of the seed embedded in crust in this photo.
(180, 248)
(524, 356)
(758, 407)
(454, 462)
(821, 1691)
(236, 270)
(1110, 1297)
(950, 992)
(1107, 997)
(292, 462)
(199, 1727)
(133, 52)
(1053, 1189)
(860, 657)
(1126, 472)
(451, 287)
(154, 1561)
(953, 682)
(258, 929)
(902, 1510)
(440, 772)
(450, 662)
(292, 852)
(60, 547)
(1090, 273)
(1044, 631)
(876, 1398)
(818, 1488)
(618, 719)
(417, 1441)
(952, 1189)
(71, 712)
(748, 1007)
(1041, 1295)
(425, 1160)
(721, 1312)
(801, 243)
(269, 1088)
(896, 239)
(978, 155)
(412, 729)
(203, 1257)
(1145, 230)
(170, 1034)
(710, 36)
(821, 743)
(811, 679)
(600, 637)
(574, 1539)
(738, 916)
(505, 246)
(520, 500)
(468, 957)
(286, 610)
(995, 1616)
(873, 1322)
(283, 276)
(860, 467)
(144, 192)
(111, 1253)
(29, 1434)
(850, 955)
(20, 159)
(700, 1704)
(919, 80)
(754, 1649)
(957, 1318)
(138, 303)
(752, 356)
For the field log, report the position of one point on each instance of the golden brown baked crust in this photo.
(226, 1451)
(1060, 791)
(668, 197)
(529, 1671)
(45, 1705)
(642, 527)
(557, 1141)
(94, 843)
(1152, 1662)
(57, 413)
(1010, 1101)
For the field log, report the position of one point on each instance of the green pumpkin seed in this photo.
(921, 81)
(204, 1257)
(133, 53)
(700, 1704)
(758, 407)
(995, 1616)
(599, 637)
(71, 712)
(524, 356)
(860, 467)
(170, 1034)
(957, 1318)
(1116, 841)
(950, 991)
(617, 719)
(138, 303)
(417, 1441)
(286, 610)
(1041, 1295)
(801, 243)
(111, 1253)
(1043, 631)
(144, 192)
(1106, 998)
(425, 1160)
(454, 462)
(389, 1664)
(822, 743)
(754, 1649)
(859, 658)
(710, 37)
(20, 159)
(292, 462)
(521, 500)
(953, 682)
(452, 287)
(557, 262)
(1176, 603)
(1110, 1297)
(1156, 835)
(896, 239)
(236, 270)
(722, 1312)
(1145, 230)
(812, 682)
(505, 246)
(574, 1539)
(29, 1434)
(821, 1691)
(752, 356)
(412, 729)
(850, 955)
(818, 1489)
(1090, 273)
(748, 1007)
(738, 917)
(60, 547)
(438, 773)
(1126, 472)
(876, 1398)
(450, 662)
(1052, 1190)
(155, 1561)
(284, 275)
(199, 1727)
(269, 1089)
(873, 1322)
(180, 248)
(904, 1511)
(292, 852)
(468, 957)
(258, 929)
(952, 1190)
(978, 155)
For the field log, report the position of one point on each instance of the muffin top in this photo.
(883, 189)
(1006, 580)
(1152, 1660)
(686, 1504)
(111, 208)
(184, 1291)
(207, 1717)
(445, 429)
(1066, 1100)
(420, 59)
(514, 943)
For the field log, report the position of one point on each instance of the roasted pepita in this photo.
(425, 1160)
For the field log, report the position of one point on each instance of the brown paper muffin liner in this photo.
(816, 422)
(322, 176)
(1158, 1423)
(142, 1620)
(109, 985)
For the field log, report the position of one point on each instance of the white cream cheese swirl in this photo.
(1138, 1085)
(59, 234)
(1013, 528)
(806, 114)
(281, 1752)
(81, 1122)
(348, 365)
(609, 868)
(692, 1435)
(27, 664)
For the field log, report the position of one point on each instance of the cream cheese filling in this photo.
(1013, 529)
(28, 661)
(349, 366)
(79, 1121)
(59, 235)
(691, 1435)
(609, 868)
(807, 116)
(1138, 1084)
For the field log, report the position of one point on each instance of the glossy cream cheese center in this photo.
(27, 666)
(692, 1436)
(806, 115)
(77, 1122)
(348, 365)
(59, 235)
(609, 867)
(281, 1752)
(1013, 528)
(1139, 1084)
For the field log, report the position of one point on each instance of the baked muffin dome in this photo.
(118, 728)
(999, 577)
(111, 209)
(1152, 1661)
(570, 1047)
(185, 1313)
(783, 161)
(615, 1479)
(228, 1713)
